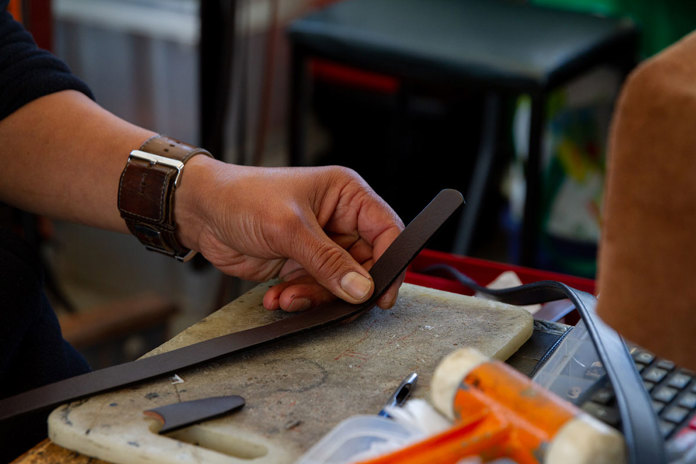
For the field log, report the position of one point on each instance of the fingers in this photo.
(380, 245)
(388, 299)
(333, 267)
(303, 293)
(343, 272)
(297, 295)
(360, 226)
(300, 291)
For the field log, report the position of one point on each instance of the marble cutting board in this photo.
(297, 389)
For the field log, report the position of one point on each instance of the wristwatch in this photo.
(147, 189)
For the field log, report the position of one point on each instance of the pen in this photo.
(401, 394)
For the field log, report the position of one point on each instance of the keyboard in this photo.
(574, 372)
(672, 392)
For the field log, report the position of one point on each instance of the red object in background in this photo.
(36, 16)
(483, 272)
(41, 23)
(15, 9)
(352, 77)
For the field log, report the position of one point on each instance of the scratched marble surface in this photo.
(296, 389)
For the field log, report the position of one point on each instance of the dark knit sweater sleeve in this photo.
(26, 71)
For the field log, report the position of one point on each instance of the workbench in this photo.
(376, 379)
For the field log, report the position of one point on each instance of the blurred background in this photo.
(233, 76)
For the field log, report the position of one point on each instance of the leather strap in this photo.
(384, 272)
(146, 193)
(638, 421)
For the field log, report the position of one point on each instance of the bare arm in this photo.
(62, 156)
(319, 228)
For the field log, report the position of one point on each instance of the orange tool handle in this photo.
(499, 413)
(506, 392)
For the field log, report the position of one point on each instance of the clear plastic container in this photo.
(359, 438)
(573, 371)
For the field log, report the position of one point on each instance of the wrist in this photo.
(191, 199)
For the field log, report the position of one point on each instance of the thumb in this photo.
(332, 266)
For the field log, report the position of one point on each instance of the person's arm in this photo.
(48, 121)
(62, 156)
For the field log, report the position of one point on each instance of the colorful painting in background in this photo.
(577, 125)
(574, 160)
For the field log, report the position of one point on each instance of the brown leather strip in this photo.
(385, 271)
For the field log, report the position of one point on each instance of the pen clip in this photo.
(401, 394)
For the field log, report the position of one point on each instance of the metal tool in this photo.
(401, 394)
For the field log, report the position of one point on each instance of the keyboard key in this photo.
(595, 371)
(679, 380)
(573, 393)
(643, 356)
(640, 367)
(605, 414)
(648, 385)
(688, 400)
(675, 414)
(665, 364)
(657, 406)
(664, 394)
(603, 395)
(666, 428)
(654, 374)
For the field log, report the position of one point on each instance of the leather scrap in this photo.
(177, 415)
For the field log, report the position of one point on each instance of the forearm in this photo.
(62, 156)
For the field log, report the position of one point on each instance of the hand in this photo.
(319, 229)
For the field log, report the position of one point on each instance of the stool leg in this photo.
(532, 203)
(215, 72)
(298, 107)
(481, 176)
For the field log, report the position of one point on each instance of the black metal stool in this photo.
(498, 47)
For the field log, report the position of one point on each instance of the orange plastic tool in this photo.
(498, 413)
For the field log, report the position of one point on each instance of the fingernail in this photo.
(356, 285)
(299, 304)
(271, 305)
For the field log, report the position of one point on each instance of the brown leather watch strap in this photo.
(384, 272)
(146, 193)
